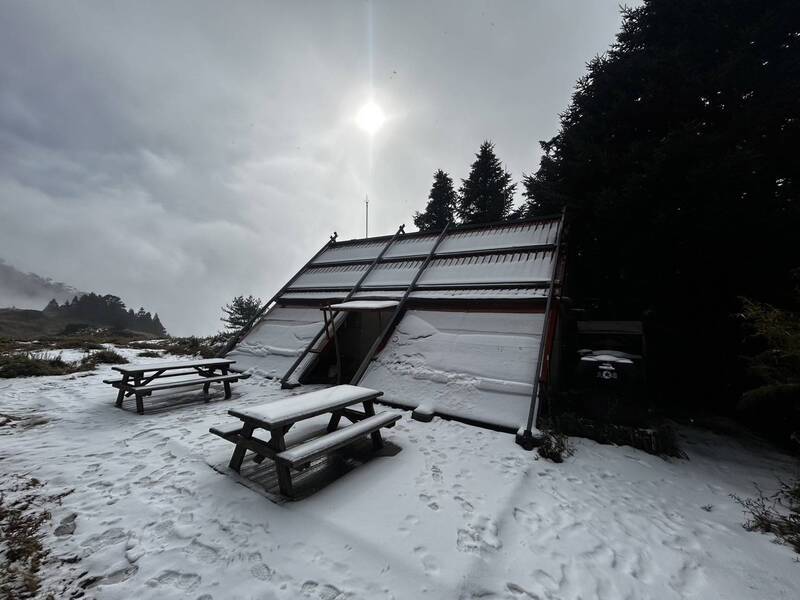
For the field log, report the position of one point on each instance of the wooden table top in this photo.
(168, 366)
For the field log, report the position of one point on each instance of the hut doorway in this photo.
(350, 342)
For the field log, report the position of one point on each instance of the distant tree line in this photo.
(107, 311)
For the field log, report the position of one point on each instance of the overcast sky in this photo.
(177, 154)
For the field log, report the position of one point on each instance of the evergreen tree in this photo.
(158, 328)
(677, 161)
(240, 312)
(52, 306)
(487, 194)
(441, 204)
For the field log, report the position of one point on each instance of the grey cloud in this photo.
(177, 154)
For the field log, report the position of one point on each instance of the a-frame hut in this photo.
(458, 322)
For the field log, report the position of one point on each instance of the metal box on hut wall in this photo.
(610, 380)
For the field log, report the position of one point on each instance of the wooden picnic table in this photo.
(144, 379)
(278, 417)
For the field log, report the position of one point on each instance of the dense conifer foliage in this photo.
(487, 194)
(441, 204)
(678, 163)
(239, 312)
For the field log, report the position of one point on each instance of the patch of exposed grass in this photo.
(191, 346)
(105, 356)
(150, 354)
(89, 340)
(23, 513)
(33, 364)
(28, 364)
(206, 347)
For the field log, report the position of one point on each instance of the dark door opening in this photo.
(355, 337)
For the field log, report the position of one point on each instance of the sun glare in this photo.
(370, 118)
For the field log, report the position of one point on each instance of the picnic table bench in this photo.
(278, 417)
(142, 380)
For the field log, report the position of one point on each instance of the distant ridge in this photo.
(29, 290)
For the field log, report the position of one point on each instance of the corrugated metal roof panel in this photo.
(537, 233)
(535, 266)
(490, 268)
(500, 237)
(344, 275)
(357, 251)
(473, 294)
(412, 246)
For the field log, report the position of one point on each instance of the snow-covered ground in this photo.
(458, 512)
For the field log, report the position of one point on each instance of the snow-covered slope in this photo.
(458, 512)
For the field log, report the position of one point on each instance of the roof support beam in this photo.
(527, 440)
(397, 311)
(353, 290)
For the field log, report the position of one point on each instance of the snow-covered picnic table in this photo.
(142, 380)
(278, 417)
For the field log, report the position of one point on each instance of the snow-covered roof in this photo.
(502, 261)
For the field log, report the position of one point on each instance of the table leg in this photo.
(377, 440)
(226, 384)
(121, 393)
(240, 450)
(278, 443)
(139, 397)
(334, 422)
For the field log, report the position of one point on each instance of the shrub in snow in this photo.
(659, 439)
(555, 446)
(778, 514)
(773, 368)
(30, 365)
(105, 356)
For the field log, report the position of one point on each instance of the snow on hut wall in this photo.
(271, 347)
(473, 365)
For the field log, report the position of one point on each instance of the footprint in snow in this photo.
(312, 589)
(262, 571)
(479, 537)
(408, 523)
(429, 563)
(182, 581)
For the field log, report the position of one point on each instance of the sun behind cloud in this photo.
(370, 118)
